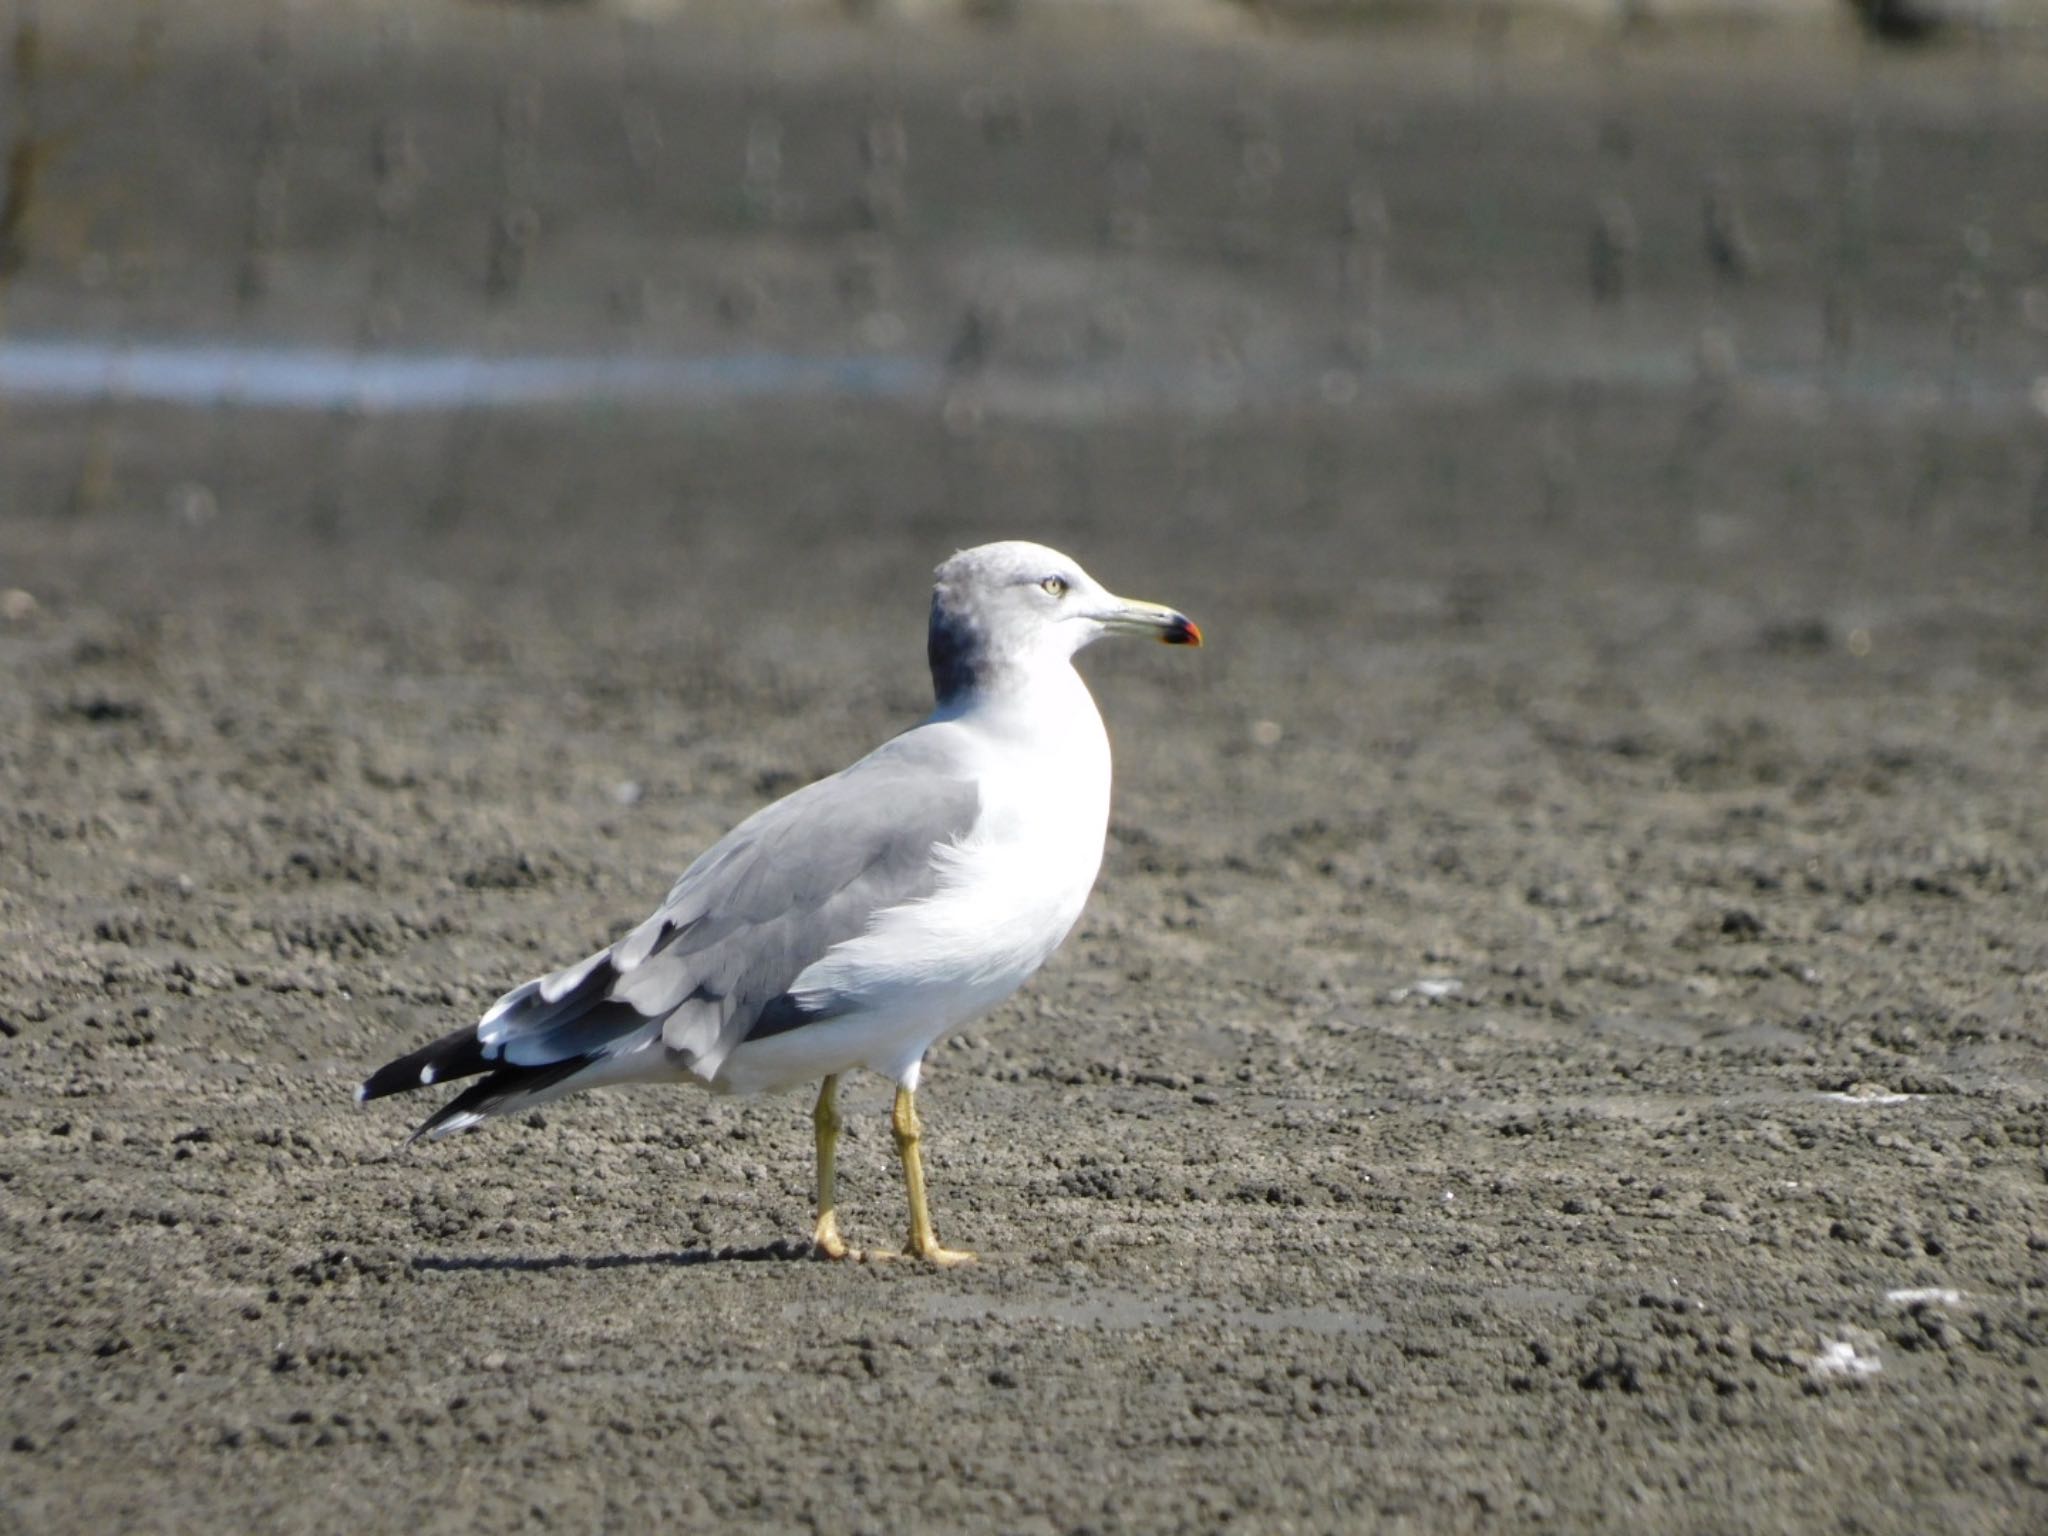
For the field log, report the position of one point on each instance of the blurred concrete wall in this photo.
(359, 210)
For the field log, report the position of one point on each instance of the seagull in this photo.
(859, 920)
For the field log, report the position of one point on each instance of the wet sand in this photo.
(1559, 1040)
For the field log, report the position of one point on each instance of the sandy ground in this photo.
(1559, 1042)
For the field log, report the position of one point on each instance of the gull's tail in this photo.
(541, 1040)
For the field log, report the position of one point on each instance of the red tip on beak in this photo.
(1184, 631)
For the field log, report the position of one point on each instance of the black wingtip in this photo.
(505, 1089)
(453, 1056)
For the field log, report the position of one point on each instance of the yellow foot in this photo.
(945, 1258)
(826, 1243)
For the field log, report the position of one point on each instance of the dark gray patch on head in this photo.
(956, 645)
(976, 615)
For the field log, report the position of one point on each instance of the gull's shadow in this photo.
(783, 1252)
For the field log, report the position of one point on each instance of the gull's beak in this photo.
(1128, 616)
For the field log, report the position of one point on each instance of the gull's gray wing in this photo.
(713, 965)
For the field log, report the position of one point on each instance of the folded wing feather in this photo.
(716, 960)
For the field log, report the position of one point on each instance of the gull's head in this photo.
(999, 608)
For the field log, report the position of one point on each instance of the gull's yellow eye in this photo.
(1055, 586)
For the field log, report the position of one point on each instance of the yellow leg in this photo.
(826, 1241)
(923, 1241)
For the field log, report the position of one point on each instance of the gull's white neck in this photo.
(1050, 693)
(1047, 771)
